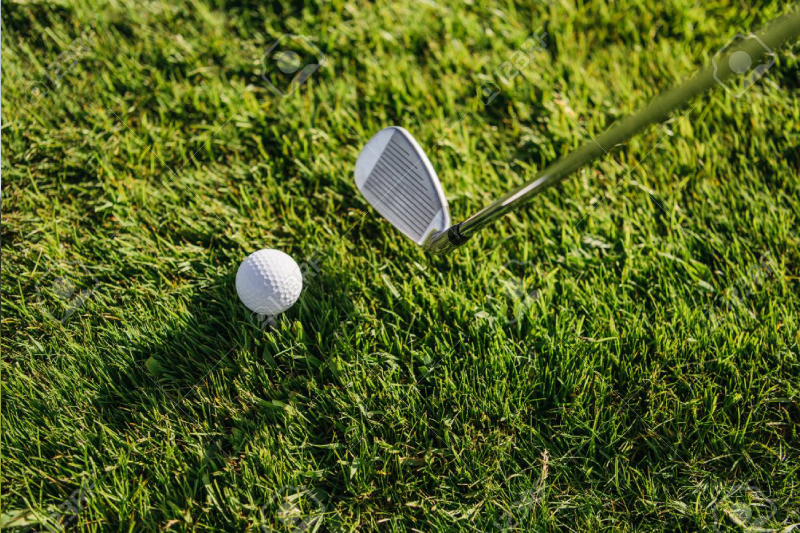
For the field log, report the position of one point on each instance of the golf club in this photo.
(397, 179)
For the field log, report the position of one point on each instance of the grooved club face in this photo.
(396, 178)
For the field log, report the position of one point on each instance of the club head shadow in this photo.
(397, 179)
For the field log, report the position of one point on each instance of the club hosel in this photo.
(446, 241)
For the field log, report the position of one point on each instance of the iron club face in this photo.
(397, 179)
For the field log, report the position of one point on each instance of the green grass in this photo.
(654, 369)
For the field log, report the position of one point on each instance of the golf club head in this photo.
(394, 175)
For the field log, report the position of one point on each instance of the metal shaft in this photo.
(756, 49)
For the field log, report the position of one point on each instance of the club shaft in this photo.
(776, 33)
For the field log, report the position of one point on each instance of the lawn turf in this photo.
(620, 354)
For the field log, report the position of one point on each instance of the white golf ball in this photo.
(269, 282)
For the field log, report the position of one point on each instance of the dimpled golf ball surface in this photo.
(269, 282)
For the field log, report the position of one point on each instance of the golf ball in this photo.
(269, 282)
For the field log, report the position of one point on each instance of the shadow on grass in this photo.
(217, 368)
